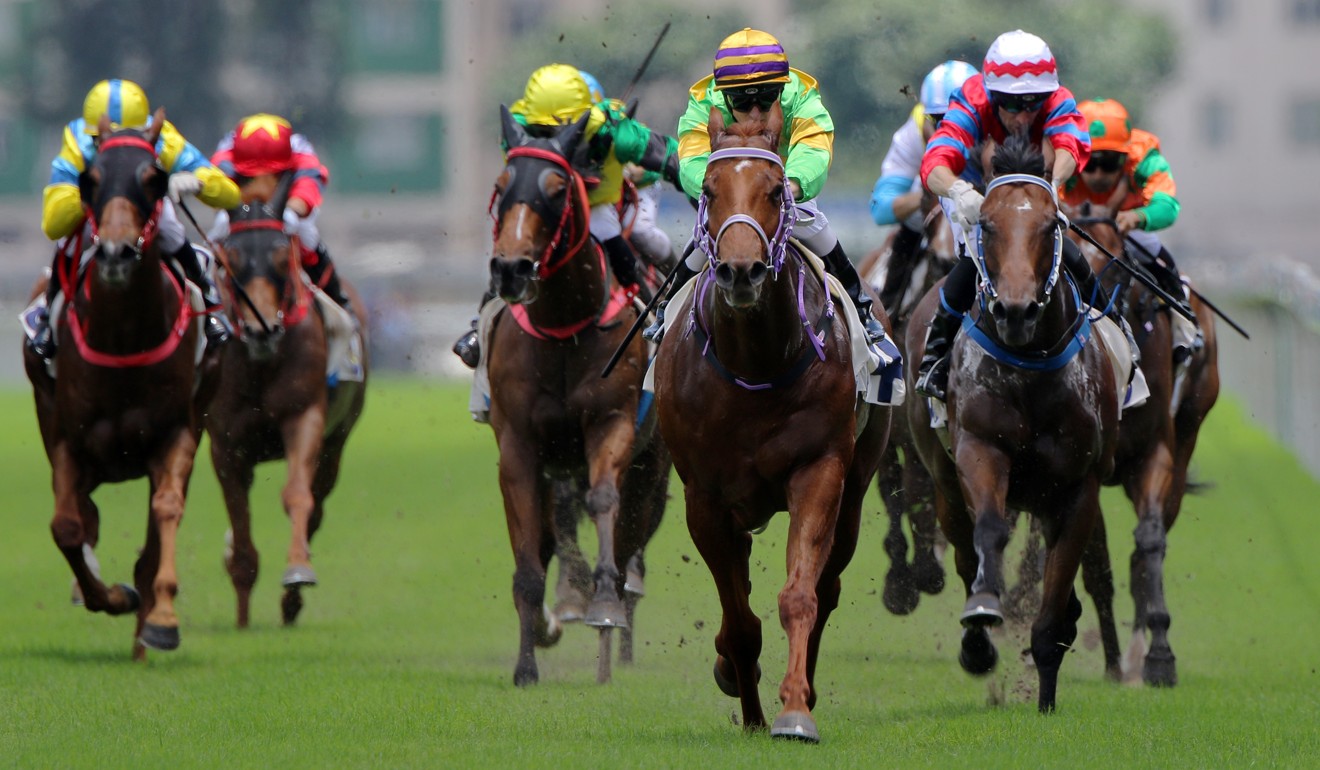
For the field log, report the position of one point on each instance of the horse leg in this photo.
(574, 583)
(302, 449)
(532, 540)
(609, 452)
(1067, 533)
(169, 488)
(1023, 599)
(927, 569)
(1098, 578)
(323, 483)
(242, 561)
(900, 595)
(645, 494)
(977, 654)
(74, 528)
(1150, 494)
(738, 643)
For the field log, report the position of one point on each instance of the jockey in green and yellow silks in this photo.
(190, 173)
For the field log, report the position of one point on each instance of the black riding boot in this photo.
(624, 264)
(842, 268)
(955, 298)
(1079, 268)
(468, 348)
(1166, 275)
(218, 328)
(324, 275)
(42, 341)
(902, 254)
(656, 331)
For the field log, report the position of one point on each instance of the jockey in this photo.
(896, 198)
(256, 154)
(63, 216)
(1017, 91)
(555, 96)
(1128, 175)
(751, 73)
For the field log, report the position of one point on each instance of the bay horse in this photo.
(274, 400)
(760, 409)
(902, 481)
(128, 398)
(1032, 415)
(553, 416)
(1155, 445)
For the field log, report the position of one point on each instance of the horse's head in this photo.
(1018, 241)
(259, 257)
(123, 190)
(746, 210)
(1098, 222)
(539, 206)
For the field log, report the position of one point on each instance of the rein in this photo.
(295, 304)
(143, 358)
(546, 266)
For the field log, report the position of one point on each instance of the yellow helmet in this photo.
(555, 95)
(122, 100)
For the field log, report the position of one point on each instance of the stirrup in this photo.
(43, 343)
(218, 329)
(934, 381)
(875, 331)
(468, 349)
(656, 331)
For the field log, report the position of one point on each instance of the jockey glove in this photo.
(183, 183)
(966, 203)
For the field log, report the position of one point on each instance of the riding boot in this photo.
(656, 331)
(1095, 295)
(1187, 336)
(42, 341)
(901, 255)
(218, 328)
(624, 264)
(933, 372)
(324, 275)
(842, 268)
(468, 348)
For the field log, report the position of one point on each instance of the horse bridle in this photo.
(290, 288)
(988, 285)
(776, 246)
(545, 265)
(150, 212)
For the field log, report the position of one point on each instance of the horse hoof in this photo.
(795, 726)
(728, 685)
(132, 599)
(159, 637)
(981, 610)
(978, 655)
(900, 596)
(525, 676)
(929, 577)
(299, 576)
(549, 630)
(570, 612)
(607, 614)
(1161, 670)
(76, 596)
(290, 605)
(634, 584)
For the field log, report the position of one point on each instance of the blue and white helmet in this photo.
(940, 84)
(593, 85)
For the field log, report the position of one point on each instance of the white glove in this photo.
(966, 203)
(184, 183)
(292, 222)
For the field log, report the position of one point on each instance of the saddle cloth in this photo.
(343, 340)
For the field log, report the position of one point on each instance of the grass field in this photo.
(404, 655)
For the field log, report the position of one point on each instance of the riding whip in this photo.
(1137, 273)
(220, 255)
(1198, 294)
(645, 63)
(646, 312)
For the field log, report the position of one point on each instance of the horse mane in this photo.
(1018, 155)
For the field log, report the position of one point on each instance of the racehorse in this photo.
(902, 481)
(273, 400)
(128, 398)
(759, 407)
(1155, 445)
(553, 415)
(1032, 415)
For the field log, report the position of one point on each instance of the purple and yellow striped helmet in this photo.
(750, 57)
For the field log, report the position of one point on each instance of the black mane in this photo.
(1018, 154)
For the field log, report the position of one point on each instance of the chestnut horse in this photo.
(128, 398)
(274, 400)
(903, 482)
(1155, 445)
(553, 415)
(759, 405)
(1032, 415)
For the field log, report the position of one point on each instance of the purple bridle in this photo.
(775, 247)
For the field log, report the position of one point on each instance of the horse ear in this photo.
(568, 137)
(157, 123)
(514, 134)
(715, 126)
(281, 197)
(774, 124)
(103, 128)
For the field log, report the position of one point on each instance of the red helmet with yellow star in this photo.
(262, 145)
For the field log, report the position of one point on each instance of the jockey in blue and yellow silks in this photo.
(750, 75)
(124, 102)
(557, 95)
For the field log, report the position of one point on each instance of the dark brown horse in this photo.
(553, 415)
(128, 398)
(1155, 445)
(1032, 416)
(903, 482)
(759, 406)
(274, 400)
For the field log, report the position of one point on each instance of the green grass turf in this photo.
(405, 652)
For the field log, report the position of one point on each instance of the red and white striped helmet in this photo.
(1020, 63)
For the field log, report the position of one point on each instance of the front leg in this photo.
(983, 473)
(609, 451)
(532, 540)
(234, 471)
(302, 448)
(169, 489)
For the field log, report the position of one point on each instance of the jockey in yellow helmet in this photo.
(62, 215)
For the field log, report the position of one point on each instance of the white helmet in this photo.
(1020, 63)
(940, 84)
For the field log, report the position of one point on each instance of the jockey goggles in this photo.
(1016, 103)
(745, 98)
(1106, 161)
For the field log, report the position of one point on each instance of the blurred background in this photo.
(401, 99)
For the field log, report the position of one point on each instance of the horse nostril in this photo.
(724, 275)
(757, 273)
(998, 311)
(1032, 312)
(524, 268)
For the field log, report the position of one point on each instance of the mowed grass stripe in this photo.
(404, 655)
